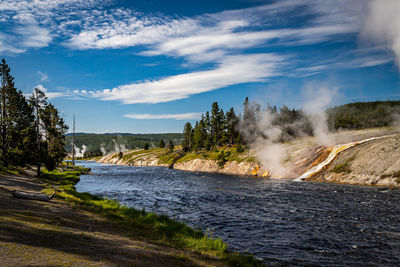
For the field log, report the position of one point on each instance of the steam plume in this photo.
(266, 130)
(319, 100)
(382, 25)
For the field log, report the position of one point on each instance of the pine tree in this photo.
(146, 146)
(207, 123)
(23, 132)
(216, 124)
(249, 121)
(15, 119)
(162, 144)
(197, 137)
(7, 85)
(187, 137)
(170, 146)
(239, 146)
(55, 130)
(231, 125)
(38, 103)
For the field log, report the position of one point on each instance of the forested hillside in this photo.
(360, 115)
(98, 144)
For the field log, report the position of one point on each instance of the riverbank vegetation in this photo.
(139, 223)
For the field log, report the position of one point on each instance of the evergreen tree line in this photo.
(218, 128)
(168, 147)
(32, 132)
(215, 128)
(361, 115)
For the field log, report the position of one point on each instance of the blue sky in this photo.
(150, 66)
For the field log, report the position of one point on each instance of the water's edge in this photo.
(276, 220)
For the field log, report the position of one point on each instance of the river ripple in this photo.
(282, 222)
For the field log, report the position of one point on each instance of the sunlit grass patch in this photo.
(343, 167)
(11, 170)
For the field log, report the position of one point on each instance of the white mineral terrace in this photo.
(335, 151)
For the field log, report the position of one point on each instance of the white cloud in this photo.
(181, 116)
(382, 24)
(5, 46)
(232, 70)
(222, 39)
(211, 36)
(43, 76)
(353, 59)
(51, 95)
(25, 34)
(124, 28)
(33, 24)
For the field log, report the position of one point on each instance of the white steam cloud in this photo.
(269, 151)
(80, 152)
(103, 150)
(268, 128)
(382, 25)
(118, 147)
(319, 99)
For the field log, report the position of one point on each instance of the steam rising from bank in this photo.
(266, 129)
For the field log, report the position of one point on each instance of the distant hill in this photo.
(361, 115)
(98, 143)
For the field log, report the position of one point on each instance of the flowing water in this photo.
(280, 221)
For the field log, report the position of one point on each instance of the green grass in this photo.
(139, 223)
(11, 170)
(343, 167)
(230, 154)
(168, 158)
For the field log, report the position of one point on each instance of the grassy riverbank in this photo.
(140, 224)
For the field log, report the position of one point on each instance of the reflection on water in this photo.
(279, 221)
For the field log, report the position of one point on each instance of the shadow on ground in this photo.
(56, 233)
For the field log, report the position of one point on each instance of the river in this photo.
(279, 221)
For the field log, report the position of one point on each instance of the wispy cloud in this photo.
(122, 28)
(232, 70)
(181, 116)
(353, 59)
(210, 36)
(28, 24)
(220, 39)
(51, 95)
(25, 34)
(43, 76)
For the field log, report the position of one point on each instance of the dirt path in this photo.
(59, 234)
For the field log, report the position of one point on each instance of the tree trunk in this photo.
(32, 196)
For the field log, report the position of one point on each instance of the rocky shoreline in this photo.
(197, 165)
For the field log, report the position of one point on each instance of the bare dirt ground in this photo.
(56, 233)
